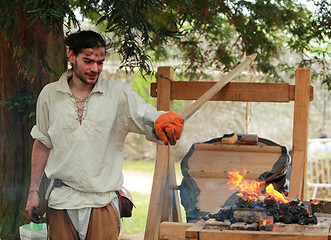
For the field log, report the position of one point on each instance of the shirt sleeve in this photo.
(40, 130)
(132, 112)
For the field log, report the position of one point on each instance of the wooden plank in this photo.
(237, 148)
(174, 205)
(202, 231)
(173, 230)
(159, 201)
(171, 207)
(213, 224)
(219, 163)
(193, 232)
(257, 235)
(311, 228)
(300, 134)
(296, 180)
(157, 194)
(213, 194)
(165, 78)
(233, 91)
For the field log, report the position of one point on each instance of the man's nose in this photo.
(94, 67)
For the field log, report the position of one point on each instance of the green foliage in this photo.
(137, 223)
(50, 13)
(206, 34)
(22, 102)
(203, 34)
(19, 20)
(141, 85)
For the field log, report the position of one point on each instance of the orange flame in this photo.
(277, 196)
(253, 190)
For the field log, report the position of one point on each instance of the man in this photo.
(81, 124)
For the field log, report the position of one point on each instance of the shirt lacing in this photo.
(81, 110)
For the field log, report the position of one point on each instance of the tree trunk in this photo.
(30, 57)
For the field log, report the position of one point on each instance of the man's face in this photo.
(88, 64)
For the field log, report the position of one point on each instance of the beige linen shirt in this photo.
(88, 156)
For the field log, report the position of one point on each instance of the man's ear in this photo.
(71, 56)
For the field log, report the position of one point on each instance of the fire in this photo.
(277, 196)
(254, 190)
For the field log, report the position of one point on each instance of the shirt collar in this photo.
(63, 85)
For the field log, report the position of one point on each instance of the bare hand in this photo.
(33, 207)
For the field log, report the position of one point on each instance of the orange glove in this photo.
(169, 127)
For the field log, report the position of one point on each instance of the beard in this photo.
(80, 76)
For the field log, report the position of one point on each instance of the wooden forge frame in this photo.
(164, 200)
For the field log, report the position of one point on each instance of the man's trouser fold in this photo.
(104, 224)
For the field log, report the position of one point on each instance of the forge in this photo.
(246, 215)
(206, 186)
(205, 166)
(309, 219)
(257, 206)
(218, 198)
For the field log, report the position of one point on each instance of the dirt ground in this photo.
(131, 237)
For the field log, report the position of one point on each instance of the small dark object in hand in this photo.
(35, 216)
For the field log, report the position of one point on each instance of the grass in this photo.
(143, 166)
(136, 224)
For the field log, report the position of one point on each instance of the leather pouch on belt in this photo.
(125, 202)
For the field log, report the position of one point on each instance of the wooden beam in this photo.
(163, 202)
(164, 103)
(173, 230)
(300, 134)
(198, 232)
(193, 232)
(258, 235)
(157, 198)
(174, 214)
(237, 148)
(233, 91)
(164, 84)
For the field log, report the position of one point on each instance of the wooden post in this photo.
(300, 134)
(157, 202)
(163, 202)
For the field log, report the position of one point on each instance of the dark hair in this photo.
(84, 39)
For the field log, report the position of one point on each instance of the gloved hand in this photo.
(169, 126)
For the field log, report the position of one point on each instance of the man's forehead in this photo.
(97, 52)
